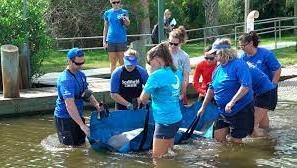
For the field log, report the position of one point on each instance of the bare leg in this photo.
(113, 60)
(261, 121)
(264, 123)
(220, 134)
(120, 56)
(161, 147)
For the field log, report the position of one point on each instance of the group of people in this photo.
(244, 87)
(131, 88)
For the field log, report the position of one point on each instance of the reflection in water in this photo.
(31, 141)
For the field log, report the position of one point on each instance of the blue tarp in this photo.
(123, 130)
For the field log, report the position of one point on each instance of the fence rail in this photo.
(271, 25)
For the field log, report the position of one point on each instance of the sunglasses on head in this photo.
(209, 58)
(116, 2)
(175, 44)
(78, 63)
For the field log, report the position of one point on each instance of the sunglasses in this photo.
(116, 2)
(175, 44)
(209, 58)
(78, 63)
(243, 45)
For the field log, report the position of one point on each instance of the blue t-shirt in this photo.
(260, 81)
(264, 59)
(128, 84)
(70, 85)
(226, 81)
(117, 31)
(164, 86)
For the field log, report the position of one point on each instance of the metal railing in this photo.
(271, 25)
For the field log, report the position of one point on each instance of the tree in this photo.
(145, 23)
(14, 30)
(211, 16)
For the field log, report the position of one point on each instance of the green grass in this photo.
(56, 61)
(287, 56)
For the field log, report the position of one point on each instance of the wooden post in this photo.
(139, 46)
(23, 73)
(10, 71)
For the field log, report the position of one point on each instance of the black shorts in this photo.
(166, 131)
(117, 47)
(69, 132)
(241, 124)
(267, 100)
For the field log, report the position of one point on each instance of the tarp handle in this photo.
(145, 128)
(186, 135)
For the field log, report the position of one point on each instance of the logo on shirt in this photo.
(176, 86)
(259, 62)
(130, 83)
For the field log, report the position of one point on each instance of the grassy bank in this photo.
(56, 61)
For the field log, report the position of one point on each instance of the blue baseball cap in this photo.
(215, 47)
(130, 60)
(75, 52)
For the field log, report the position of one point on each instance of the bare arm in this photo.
(126, 20)
(74, 114)
(144, 97)
(119, 99)
(95, 103)
(105, 29)
(239, 94)
(185, 82)
(276, 76)
(209, 95)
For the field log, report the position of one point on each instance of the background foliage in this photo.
(48, 19)
(14, 28)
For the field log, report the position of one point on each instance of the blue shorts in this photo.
(166, 131)
(117, 47)
(241, 124)
(267, 100)
(69, 132)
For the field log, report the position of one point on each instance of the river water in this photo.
(31, 142)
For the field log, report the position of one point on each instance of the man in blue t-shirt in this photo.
(127, 82)
(73, 90)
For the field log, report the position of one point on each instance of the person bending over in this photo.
(127, 82)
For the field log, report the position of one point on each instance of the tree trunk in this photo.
(145, 23)
(10, 71)
(211, 16)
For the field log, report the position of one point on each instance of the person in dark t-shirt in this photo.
(127, 82)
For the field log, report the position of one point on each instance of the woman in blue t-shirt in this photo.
(231, 88)
(114, 39)
(264, 98)
(163, 87)
(266, 61)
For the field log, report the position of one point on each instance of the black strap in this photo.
(186, 135)
(145, 128)
(83, 86)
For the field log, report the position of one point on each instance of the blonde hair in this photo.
(167, 11)
(226, 53)
(131, 52)
(179, 33)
